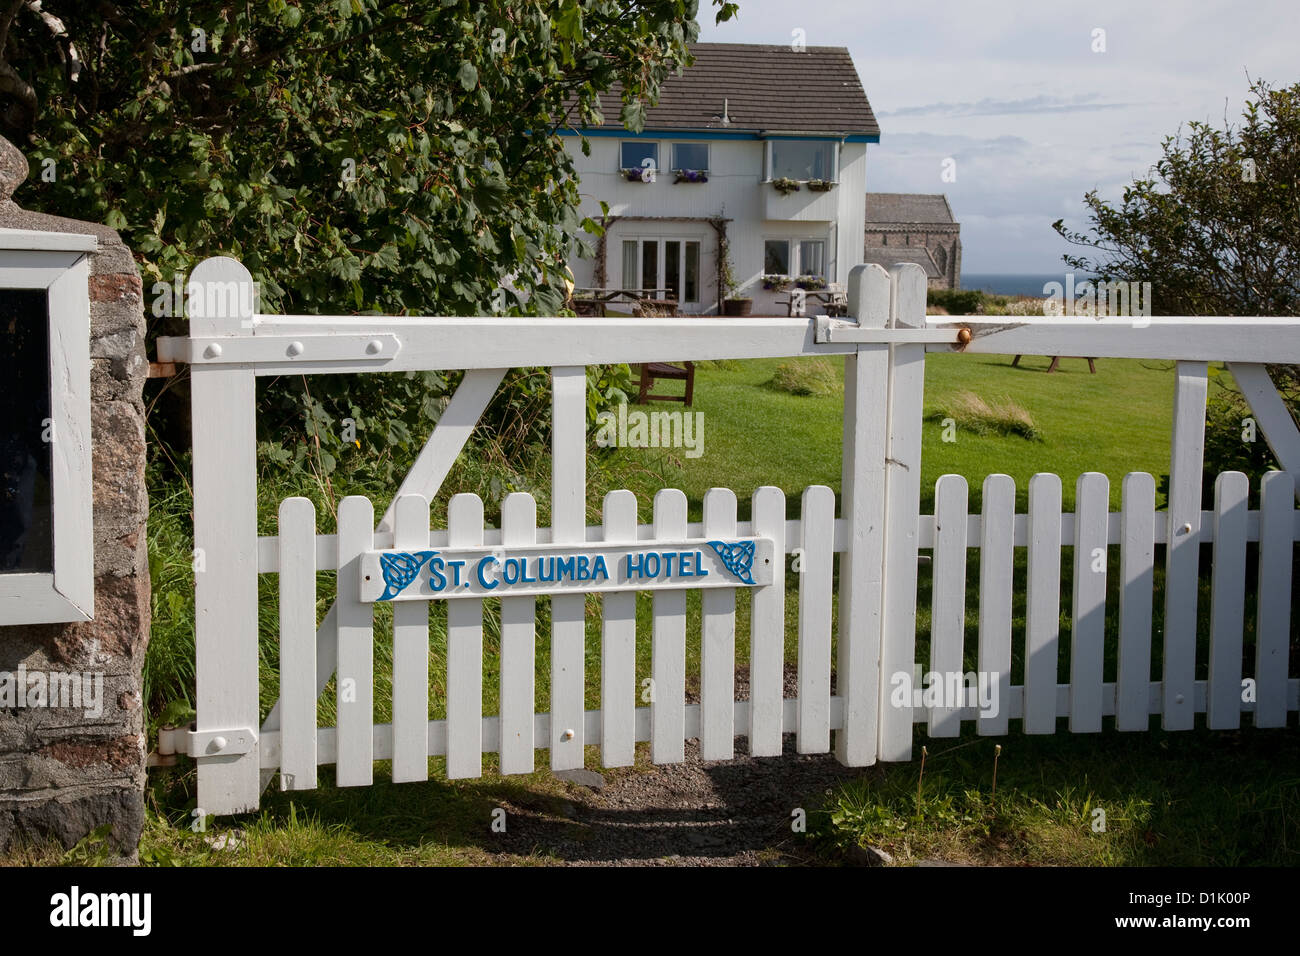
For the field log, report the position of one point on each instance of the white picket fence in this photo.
(878, 537)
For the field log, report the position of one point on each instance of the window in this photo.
(691, 292)
(629, 264)
(776, 257)
(812, 257)
(801, 159)
(46, 549)
(690, 155)
(667, 266)
(636, 151)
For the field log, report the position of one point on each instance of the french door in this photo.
(671, 267)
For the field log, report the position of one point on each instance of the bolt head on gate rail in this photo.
(377, 347)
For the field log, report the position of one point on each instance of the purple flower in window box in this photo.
(691, 176)
(639, 174)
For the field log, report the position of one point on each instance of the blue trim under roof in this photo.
(708, 134)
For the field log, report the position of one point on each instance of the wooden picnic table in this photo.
(598, 300)
(835, 301)
(1056, 360)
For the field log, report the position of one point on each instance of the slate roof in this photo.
(767, 87)
(908, 208)
(887, 256)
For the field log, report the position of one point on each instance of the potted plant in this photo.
(691, 176)
(732, 304)
(820, 185)
(776, 283)
(637, 174)
(810, 283)
(785, 185)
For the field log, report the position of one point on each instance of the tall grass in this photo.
(1003, 416)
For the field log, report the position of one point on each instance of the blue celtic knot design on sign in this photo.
(737, 558)
(400, 570)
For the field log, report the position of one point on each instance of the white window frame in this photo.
(797, 247)
(708, 155)
(649, 142)
(661, 266)
(791, 250)
(59, 264)
(835, 160)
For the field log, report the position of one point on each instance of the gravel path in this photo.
(696, 813)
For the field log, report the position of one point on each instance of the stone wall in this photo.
(65, 772)
(943, 240)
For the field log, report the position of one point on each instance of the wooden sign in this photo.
(558, 569)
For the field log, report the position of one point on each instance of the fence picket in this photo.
(298, 644)
(355, 677)
(718, 641)
(817, 522)
(1227, 602)
(1182, 553)
(1043, 603)
(464, 650)
(948, 604)
(767, 631)
(518, 645)
(1136, 599)
(668, 648)
(1088, 608)
(411, 653)
(568, 526)
(618, 646)
(997, 552)
(1273, 624)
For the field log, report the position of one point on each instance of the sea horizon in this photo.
(1015, 283)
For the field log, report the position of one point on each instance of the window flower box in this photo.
(638, 174)
(776, 283)
(810, 283)
(785, 186)
(820, 185)
(691, 175)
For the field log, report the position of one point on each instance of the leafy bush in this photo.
(363, 156)
(1231, 443)
(957, 301)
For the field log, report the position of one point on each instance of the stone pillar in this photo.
(65, 772)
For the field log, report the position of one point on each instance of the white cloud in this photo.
(1014, 92)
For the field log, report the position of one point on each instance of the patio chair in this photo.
(650, 371)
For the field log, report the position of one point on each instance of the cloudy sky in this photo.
(1013, 92)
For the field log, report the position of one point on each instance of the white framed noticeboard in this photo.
(46, 541)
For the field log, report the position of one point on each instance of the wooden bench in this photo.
(650, 371)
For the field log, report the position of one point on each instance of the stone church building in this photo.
(915, 227)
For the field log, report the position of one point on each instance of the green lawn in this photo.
(1161, 791)
(1114, 422)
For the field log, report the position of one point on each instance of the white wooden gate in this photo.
(877, 536)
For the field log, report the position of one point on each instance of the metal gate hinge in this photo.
(220, 743)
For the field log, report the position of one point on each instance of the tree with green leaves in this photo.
(1215, 229)
(367, 156)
